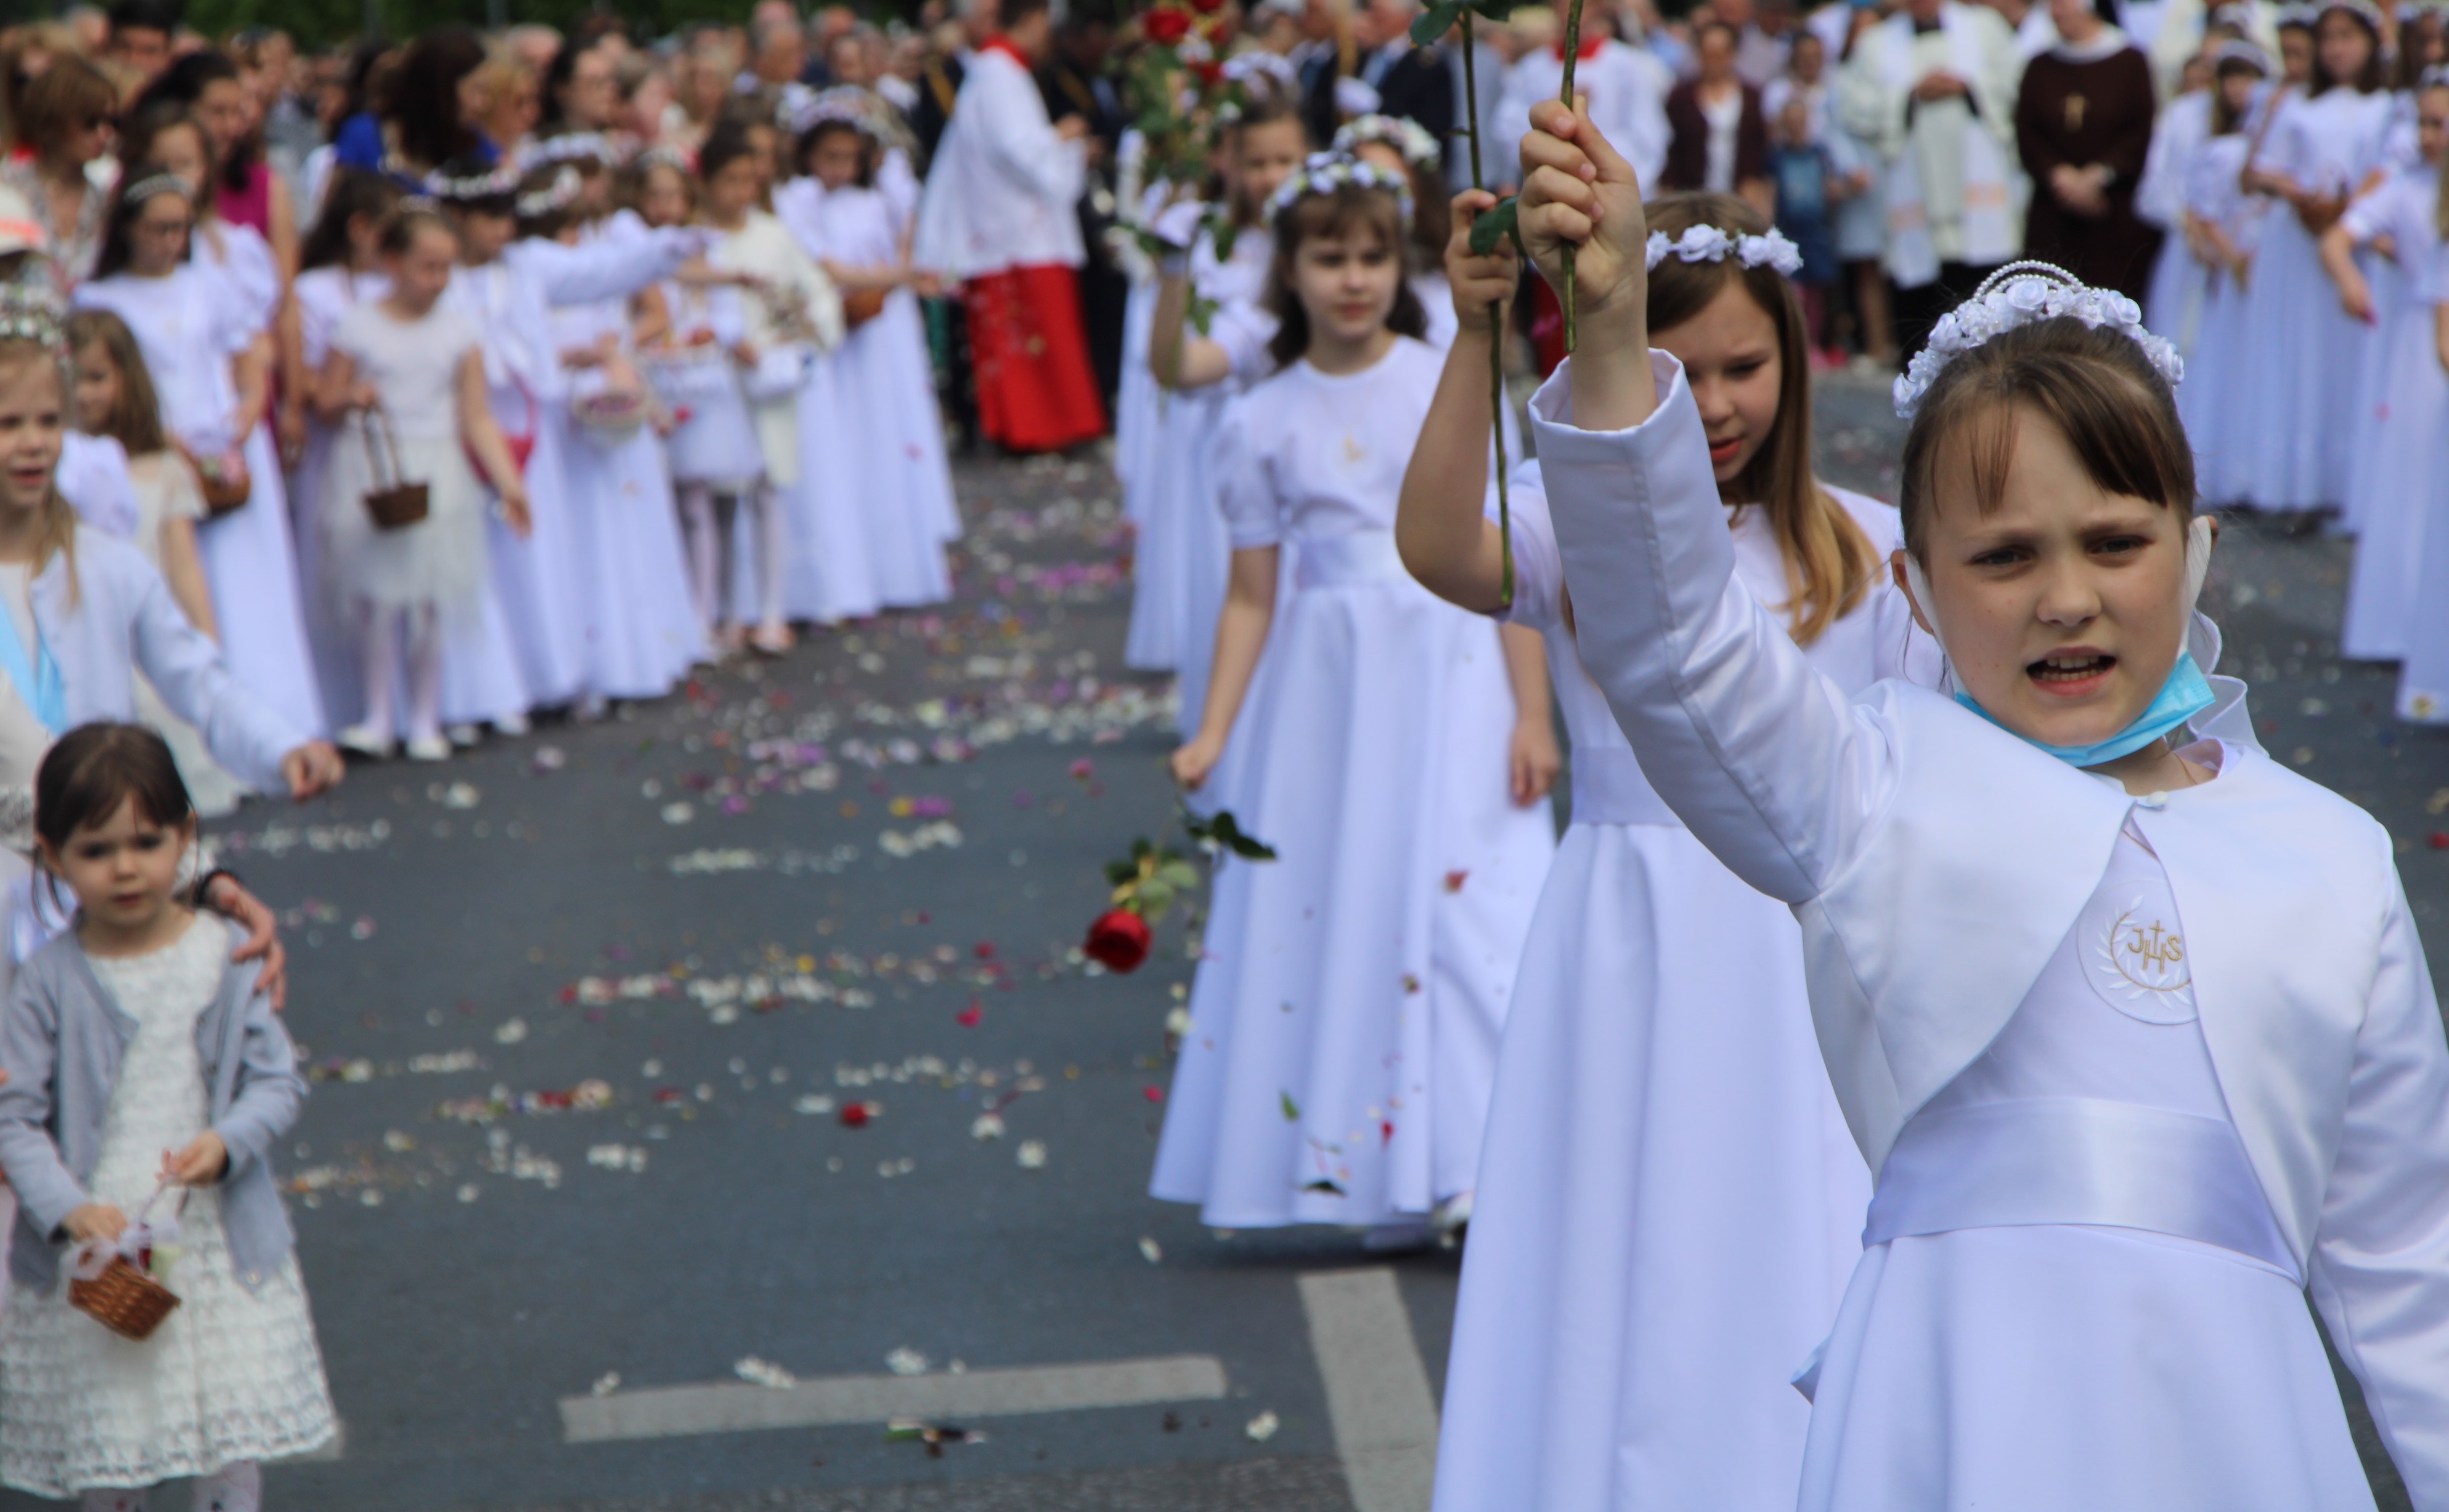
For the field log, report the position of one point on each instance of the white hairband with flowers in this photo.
(567, 148)
(500, 180)
(2363, 10)
(1709, 243)
(2024, 293)
(1402, 133)
(1327, 172)
(30, 311)
(558, 195)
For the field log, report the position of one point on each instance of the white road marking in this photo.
(663, 1413)
(1377, 1396)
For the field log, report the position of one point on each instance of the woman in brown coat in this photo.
(1719, 140)
(2083, 125)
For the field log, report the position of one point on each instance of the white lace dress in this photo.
(231, 1374)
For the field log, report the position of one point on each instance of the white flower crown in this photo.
(2236, 49)
(2363, 10)
(2019, 294)
(557, 195)
(501, 181)
(1327, 172)
(1708, 243)
(567, 148)
(30, 311)
(1402, 133)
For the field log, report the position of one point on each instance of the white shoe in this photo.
(365, 741)
(429, 748)
(512, 725)
(463, 734)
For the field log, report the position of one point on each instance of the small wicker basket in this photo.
(124, 1299)
(394, 502)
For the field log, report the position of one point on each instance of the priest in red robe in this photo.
(1000, 215)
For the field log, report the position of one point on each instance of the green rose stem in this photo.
(1573, 55)
(1495, 327)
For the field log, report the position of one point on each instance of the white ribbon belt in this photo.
(1610, 789)
(1346, 560)
(2082, 1160)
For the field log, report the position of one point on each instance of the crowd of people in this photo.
(411, 393)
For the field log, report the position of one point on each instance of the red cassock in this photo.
(1036, 390)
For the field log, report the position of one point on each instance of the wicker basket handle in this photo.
(382, 446)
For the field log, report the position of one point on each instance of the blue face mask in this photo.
(2185, 694)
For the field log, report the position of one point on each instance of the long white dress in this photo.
(2404, 479)
(1350, 993)
(642, 631)
(166, 490)
(190, 324)
(1670, 1202)
(1184, 555)
(2295, 417)
(900, 490)
(232, 1373)
(2212, 399)
(2172, 306)
(2189, 1372)
(323, 295)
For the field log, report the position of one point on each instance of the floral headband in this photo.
(2019, 294)
(558, 195)
(2238, 50)
(29, 311)
(502, 180)
(147, 187)
(2363, 10)
(1404, 135)
(567, 148)
(1327, 172)
(1709, 243)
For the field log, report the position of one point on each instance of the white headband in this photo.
(2236, 49)
(2019, 294)
(145, 188)
(1708, 243)
(2363, 10)
(567, 148)
(501, 181)
(558, 195)
(1406, 136)
(1327, 172)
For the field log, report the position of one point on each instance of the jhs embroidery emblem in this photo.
(2135, 958)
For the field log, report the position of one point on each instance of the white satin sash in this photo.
(1350, 560)
(2076, 1161)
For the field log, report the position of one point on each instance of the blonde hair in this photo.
(55, 530)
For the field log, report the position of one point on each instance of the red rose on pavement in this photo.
(1119, 940)
(1166, 27)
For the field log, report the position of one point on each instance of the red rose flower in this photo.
(1119, 940)
(1207, 7)
(1166, 27)
(1211, 73)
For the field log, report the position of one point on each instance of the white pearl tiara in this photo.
(1708, 243)
(31, 311)
(145, 188)
(2019, 294)
(1327, 172)
(558, 195)
(1402, 133)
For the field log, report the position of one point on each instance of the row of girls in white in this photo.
(2130, 1021)
(2312, 215)
(1181, 375)
(549, 568)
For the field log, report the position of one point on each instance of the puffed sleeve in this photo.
(1765, 759)
(2380, 1271)
(1249, 494)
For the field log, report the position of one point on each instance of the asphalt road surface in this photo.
(703, 1092)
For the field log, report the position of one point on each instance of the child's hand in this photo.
(312, 768)
(1578, 192)
(363, 396)
(1482, 285)
(515, 507)
(1534, 761)
(1192, 763)
(746, 353)
(199, 1165)
(95, 1221)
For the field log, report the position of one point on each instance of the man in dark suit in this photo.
(1401, 80)
(1074, 82)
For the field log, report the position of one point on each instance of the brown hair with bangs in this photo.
(2115, 410)
(135, 418)
(95, 768)
(1268, 105)
(1829, 563)
(1352, 207)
